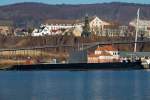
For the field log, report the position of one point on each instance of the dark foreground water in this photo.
(75, 85)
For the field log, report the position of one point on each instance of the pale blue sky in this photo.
(5, 2)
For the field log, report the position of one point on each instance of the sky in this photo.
(6, 2)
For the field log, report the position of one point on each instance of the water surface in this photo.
(75, 85)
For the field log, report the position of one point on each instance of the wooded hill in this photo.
(33, 14)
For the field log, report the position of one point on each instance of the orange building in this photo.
(104, 54)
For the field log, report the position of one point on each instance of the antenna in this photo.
(137, 28)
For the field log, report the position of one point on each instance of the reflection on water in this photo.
(75, 85)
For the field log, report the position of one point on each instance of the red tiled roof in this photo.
(106, 48)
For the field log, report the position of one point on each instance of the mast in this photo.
(137, 28)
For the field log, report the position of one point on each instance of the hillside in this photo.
(9, 42)
(32, 14)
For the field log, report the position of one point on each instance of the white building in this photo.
(54, 27)
(109, 49)
(77, 31)
(144, 26)
(59, 26)
(97, 25)
(103, 54)
(104, 28)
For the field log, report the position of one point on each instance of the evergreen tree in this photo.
(86, 28)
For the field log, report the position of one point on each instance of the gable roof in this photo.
(96, 17)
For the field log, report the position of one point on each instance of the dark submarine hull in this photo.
(78, 66)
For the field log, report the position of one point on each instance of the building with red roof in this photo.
(103, 54)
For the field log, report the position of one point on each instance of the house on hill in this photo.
(6, 27)
(97, 25)
(61, 26)
(144, 27)
(104, 54)
(55, 27)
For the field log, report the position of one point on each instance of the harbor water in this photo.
(75, 85)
